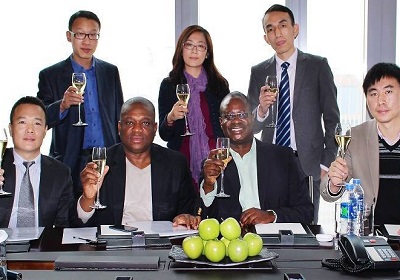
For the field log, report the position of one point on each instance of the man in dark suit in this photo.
(50, 179)
(142, 180)
(263, 180)
(313, 96)
(103, 98)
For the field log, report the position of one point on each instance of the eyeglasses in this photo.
(232, 116)
(82, 36)
(199, 47)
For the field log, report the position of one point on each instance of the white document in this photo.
(393, 230)
(162, 228)
(77, 235)
(23, 233)
(273, 228)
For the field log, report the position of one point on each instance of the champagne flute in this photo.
(79, 81)
(272, 83)
(343, 138)
(3, 146)
(99, 158)
(183, 94)
(223, 154)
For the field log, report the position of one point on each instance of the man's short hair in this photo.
(279, 8)
(83, 14)
(379, 71)
(232, 95)
(28, 100)
(137, 100)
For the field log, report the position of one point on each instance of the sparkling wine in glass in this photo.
(343, 138)
(183, 94)
(223, 154)
(79, 81)
(3, 146)
(99, 158)
(272, 83)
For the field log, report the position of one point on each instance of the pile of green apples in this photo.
(230, 244)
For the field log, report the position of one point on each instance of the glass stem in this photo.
(222, 181)
(79, 112)
(98, 194)
(186, 124)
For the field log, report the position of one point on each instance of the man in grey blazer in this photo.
(373, 154)
(50, 179)
(101, 102)
(313, 97)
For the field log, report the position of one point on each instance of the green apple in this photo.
(192, 246)
(230, 228)
(214, 250)
(238, 250)
(209, 229)
(226, 242)
(254, 242)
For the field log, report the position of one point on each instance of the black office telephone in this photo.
(363, 253)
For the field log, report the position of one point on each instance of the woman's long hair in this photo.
(216, 82)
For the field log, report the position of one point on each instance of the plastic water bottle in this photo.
(359, 195)
(348, 206)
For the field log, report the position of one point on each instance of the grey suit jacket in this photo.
(362, 159)
(314, 96)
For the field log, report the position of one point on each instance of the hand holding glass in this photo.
(223, 145)
(272, 83)
(3, 146)
(99, 158)
(79, 81)
(183, 94)
(342, 137)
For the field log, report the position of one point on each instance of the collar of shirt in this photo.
(78, 68)
(391, 143)
(247, 170)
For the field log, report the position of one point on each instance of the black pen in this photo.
(92, 242)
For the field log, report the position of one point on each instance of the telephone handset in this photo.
(362, 253)
(352, 246)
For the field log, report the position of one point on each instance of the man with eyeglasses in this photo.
(263, 180)
(101, 102)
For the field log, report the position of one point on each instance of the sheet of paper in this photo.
(393, 230)
(273, 228)
(23, 233)
(86, 233)
(162, 228)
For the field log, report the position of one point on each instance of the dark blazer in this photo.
(314, 96)
(172, 189)
(166, 100)
(55, 192)
(67, 139)
(281, 187)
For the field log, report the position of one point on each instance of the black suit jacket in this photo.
(55, 192)
(67, 139)
(281, 187)
(172, 188)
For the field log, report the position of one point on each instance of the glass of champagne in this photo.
(273, 87)
(223, 154)
(3, 146)
(343, 138)
(99, 158)
(183, 94)
(79, 81)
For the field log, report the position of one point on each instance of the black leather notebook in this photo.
(107, 263)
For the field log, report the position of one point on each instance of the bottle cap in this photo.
(349, 186)
(356, 181)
